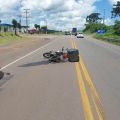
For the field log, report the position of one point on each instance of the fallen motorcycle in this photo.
(57, 56)
(71, 55)
(52, 53)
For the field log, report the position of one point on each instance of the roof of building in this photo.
(7, 25)
(10, 25)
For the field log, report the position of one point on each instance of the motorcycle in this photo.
(57, 56)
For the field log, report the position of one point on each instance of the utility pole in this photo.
(20, 15)
(104, 16)
(0, 27)
(26, 16)
(46, 25)
(20, 18)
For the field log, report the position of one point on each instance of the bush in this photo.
(94, 27)
(117, 27)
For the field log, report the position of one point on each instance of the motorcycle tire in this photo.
(47, 55)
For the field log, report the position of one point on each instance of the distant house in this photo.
(24, 29)
(11, 29)
(8, 26)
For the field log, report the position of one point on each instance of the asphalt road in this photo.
(87, 90)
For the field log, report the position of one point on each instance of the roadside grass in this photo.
(56, 33)
(88, 33)
(107, 37)
(8, 38)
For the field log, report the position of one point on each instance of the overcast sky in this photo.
(60, 14)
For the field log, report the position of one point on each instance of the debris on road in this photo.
(1, 75)
(4, 76)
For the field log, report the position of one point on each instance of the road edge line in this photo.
(26, 55)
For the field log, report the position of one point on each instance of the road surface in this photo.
(87, 90)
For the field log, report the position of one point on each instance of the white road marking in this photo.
(25, 56)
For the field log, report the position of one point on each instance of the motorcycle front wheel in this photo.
(47, 55)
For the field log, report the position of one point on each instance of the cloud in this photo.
(8, 5)
(60, 14)
(108, 21)
(113, 1)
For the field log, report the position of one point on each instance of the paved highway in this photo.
(87, 90)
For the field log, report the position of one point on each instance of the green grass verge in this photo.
(56, 33)
(8, 38)
(108, 37)
(111, 38)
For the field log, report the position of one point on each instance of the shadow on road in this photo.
(35, 64)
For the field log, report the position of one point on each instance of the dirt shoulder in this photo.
(14, 50)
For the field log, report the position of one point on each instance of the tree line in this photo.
(17, 26)
(94, 21)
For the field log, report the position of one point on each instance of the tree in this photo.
(44, 29)
(15, 25)
(116, 10)
(93, 18)
(94, 27)
(36, 26)
(94, 23)
(117, 27)
(5, 30)
(19, 26)
(0, 27)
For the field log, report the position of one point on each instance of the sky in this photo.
(58, 14)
